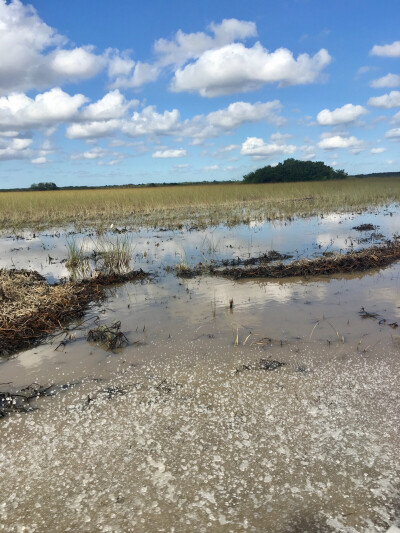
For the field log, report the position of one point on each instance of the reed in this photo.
(200, 205)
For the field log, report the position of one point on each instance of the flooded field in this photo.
(252, 405)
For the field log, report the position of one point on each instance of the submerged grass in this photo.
(197, 205)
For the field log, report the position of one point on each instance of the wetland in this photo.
(179, 396)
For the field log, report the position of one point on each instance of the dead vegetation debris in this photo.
(111, 337)
(373, 257)
(262, 364)
(31, 309)
(365, 227)
(267, 257)
(12, 401)
(380, 319)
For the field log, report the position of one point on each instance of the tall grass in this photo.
(197, 204)
(105, 254)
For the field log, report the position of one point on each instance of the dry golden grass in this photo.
(197, 204)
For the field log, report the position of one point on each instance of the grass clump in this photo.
(105, 254)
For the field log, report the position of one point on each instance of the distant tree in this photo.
(294, 170)
(44, 186)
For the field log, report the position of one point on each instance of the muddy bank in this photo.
(328, 264)
(30, 308)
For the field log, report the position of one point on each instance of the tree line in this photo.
(294, 170)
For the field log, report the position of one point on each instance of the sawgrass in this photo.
(199, 205)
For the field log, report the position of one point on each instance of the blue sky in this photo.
(95, 93)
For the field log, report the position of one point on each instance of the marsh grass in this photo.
(113, 255)
(103, 254)
(196, 205)
(76, 253)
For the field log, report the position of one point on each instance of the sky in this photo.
(96, 92)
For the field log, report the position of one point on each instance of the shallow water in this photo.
(180, 441)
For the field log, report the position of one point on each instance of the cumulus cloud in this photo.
(167, 154)
(113, 105)
(77, 63)
(390, 80)
(109, 114)
(332, 142)
(92, 130)
(341, 115)
(387, 101)
(393, 134)
(378, 150)
(187, 46)
(235, 68)
(257, 148)
(19, 111)
(148, 121)
(239, 113)
(176, 52)
(387, 50)
(15, 149)
(31, 52)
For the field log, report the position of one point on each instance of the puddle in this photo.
(252, 405)
(155, 250)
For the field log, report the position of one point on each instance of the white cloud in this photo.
(256, 147)
(119, 64)
(39, 160)
(341, 115)
(387, 50)
(390, 80)
(187, 46)
(211, 167)
(178, 51)
(31, 52)
(113, 105)
(93, 130)
(15, 149)
(333, 142)
(387, 101)
(396, 118)
(235, 68)
(228, 148)
(239, 113)
(308, 152)
(280, 136)
(378, 150)
(19, 111)
(148, 121)
(94, 153)
(77, 63)
(21, 144)
(142, 73)
(166, 154)
(393, 134)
